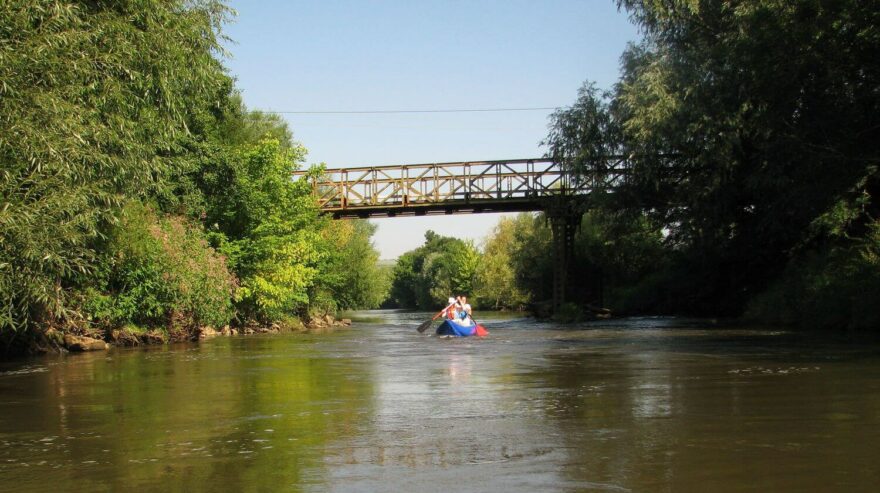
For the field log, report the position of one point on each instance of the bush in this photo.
(568, 313)
(837, 289)
(159, 271)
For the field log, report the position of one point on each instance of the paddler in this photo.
(451, 310)
(465, 310)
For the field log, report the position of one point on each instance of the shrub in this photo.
(837, 288)
(159, 271)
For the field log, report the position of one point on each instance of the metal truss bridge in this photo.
(471, 187)
(448, 188)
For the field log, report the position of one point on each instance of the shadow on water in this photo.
(644, 404)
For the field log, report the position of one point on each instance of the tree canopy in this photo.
(137, 188)
(751, 135)
(94, 96)
(442, 267)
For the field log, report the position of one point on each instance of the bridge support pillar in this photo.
(564, 221)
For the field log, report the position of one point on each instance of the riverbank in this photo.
(53, 340)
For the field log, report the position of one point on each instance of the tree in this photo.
(268, 226)
(771, 110)
(405, 280)
(427, 276)
(531, 255)
(617, 256)
(745, 124)
(351, 275)
(497, 287)
(585, 135)
(157, 271)
(93, 99)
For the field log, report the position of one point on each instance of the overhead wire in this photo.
(365, 112)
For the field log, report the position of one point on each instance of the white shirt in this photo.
(467, 309)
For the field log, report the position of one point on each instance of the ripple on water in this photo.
(760, 370)
(27, 370)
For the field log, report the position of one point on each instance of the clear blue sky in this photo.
(412, 55)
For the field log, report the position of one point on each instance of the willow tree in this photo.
(751, 128)
(496, 277)
(771, 111)
(94, 96)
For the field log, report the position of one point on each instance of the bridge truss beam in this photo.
(472, 187)
(449, 188)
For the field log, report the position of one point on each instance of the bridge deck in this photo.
(448, 188)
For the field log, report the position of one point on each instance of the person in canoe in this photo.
(451, 311)
(457, 320)
(465, 310)
(463, 324)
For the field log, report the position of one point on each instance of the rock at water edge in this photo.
(82, 343)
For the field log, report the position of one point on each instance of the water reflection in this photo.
(640, 405)
(247, 414)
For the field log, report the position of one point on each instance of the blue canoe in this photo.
(454, 328)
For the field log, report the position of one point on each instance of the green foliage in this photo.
(243, 127)
(159, 271)
(585, 134)
(405, 280)
(288, 257)
(351, 277)
(265, 223)
(752, 134)
(283, 266)
(748, 121)
(614, 256)
(92, 98)
(105, 104)
(530, 253)
(452, 270)
(442, 267)
(615, 253)
(833, 289)
(497, 286)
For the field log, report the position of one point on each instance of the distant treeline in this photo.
(612, 262)
(137, 191)
(751, 131)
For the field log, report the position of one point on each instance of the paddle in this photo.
(427, 324)
(479, 330)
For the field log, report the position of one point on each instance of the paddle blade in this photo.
(424, 326)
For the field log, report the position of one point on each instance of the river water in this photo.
(647, 404)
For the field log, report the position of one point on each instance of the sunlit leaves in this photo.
(350, 274)
(93, 95)
(585, 135)
(158, 270)
(496, 275)
(427, 276)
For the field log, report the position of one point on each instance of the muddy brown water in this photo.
(647, 404)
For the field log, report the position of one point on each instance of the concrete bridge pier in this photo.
(565, 218)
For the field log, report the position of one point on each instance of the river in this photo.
(644, 404)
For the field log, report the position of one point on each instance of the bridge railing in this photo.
(415, 185)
